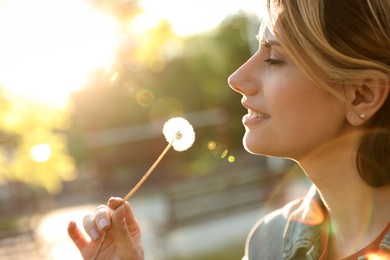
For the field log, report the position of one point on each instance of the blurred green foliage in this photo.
(26, 126)
(160, 76)
(156, 76)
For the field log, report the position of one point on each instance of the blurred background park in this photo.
(85, 87)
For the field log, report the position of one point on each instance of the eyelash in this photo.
(273, 61)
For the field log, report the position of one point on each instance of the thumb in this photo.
(126, 246)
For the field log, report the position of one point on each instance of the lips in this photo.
(253, 114)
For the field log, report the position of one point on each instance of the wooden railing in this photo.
(201, 201)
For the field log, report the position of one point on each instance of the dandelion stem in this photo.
(132, 191)
(147, 173)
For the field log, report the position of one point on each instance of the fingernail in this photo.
(94, 234)
(102, 223)
(120, 214)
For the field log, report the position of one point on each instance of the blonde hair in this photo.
(333, 41)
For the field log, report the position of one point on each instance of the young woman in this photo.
(317, 92)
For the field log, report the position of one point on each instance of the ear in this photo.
(366, 97)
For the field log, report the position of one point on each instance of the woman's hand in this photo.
(124, 237)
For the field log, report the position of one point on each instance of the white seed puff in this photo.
(181, 132)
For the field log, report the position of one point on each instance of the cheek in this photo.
(303, 117)
(297, 99)
(309, 124)
(309, 111)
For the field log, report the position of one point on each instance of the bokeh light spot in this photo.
(114, 77)
(218, 150)
(40, 152)
(224, 153)
(212, 145)
(145, 98)
(231, 159)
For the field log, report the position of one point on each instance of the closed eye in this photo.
(273, 61)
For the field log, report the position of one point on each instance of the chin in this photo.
(250, 147)
(255, 148)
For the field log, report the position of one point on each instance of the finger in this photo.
(125, 243)
(102, 217)
(76, 236)
(130, 217)
(114, 202)
(131, 221)
(90, 227)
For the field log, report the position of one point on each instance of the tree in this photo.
(190, 79)
(34, 148)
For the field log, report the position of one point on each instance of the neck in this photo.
(358, 212)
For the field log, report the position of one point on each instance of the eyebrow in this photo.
(268, 43)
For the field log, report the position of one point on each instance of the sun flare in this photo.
(193, 16)
(50, 47)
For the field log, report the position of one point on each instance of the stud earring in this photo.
(362, 116)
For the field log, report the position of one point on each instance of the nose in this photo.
(244, 80)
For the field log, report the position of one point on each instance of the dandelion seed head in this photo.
(181, 132)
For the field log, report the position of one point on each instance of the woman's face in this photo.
(288, 115)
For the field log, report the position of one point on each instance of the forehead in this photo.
(265, 33)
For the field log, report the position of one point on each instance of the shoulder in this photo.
(266, 237)
(281, 229)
